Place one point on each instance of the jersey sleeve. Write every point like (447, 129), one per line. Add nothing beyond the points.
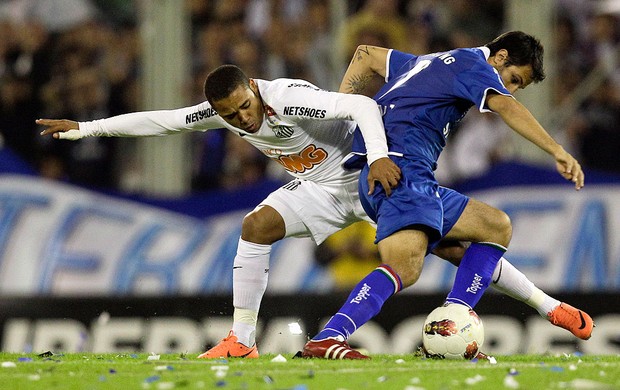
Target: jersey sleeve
(302, 101)
(476, 83)
(200, 117)
(395, 60)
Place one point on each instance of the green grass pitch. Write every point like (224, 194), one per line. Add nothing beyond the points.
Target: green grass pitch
(407, 372)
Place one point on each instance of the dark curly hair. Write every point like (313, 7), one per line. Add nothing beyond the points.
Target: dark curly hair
(523, 49)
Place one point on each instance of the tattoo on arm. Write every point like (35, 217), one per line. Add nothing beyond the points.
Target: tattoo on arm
(358, 80)
(358, 83)
(359, 53)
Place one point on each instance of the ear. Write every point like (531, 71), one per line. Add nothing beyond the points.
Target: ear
(500, 57)
(253, 86)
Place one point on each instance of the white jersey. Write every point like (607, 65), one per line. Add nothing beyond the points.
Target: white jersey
(307, 130)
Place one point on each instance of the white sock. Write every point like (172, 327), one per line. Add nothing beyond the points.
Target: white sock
(250, 274)
(244, 326)
(512, 282)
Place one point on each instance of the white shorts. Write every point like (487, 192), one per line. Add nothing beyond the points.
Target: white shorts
(314, 210)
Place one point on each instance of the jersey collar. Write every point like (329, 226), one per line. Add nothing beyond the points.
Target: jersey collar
(485, 51)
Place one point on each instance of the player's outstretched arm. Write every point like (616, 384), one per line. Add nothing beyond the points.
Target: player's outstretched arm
(523, 122)
(60, 128)
(200, 117)
(368, 63)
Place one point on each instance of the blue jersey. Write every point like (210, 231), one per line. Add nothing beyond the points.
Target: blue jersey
(424, 99)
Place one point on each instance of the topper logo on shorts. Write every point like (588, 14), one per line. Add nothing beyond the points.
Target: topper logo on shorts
(308, 158)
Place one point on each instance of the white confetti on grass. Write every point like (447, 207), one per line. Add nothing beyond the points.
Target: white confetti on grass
(581, 383)
(510, 382)
(474, 380)
(279, 359)
(220, 371)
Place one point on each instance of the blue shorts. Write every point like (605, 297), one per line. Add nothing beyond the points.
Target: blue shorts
(418, 200)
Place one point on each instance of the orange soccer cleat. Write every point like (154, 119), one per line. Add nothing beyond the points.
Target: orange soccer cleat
(574, 320)
(230, 347)
(331, 348)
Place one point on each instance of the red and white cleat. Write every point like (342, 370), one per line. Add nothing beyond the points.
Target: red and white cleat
(331, 348)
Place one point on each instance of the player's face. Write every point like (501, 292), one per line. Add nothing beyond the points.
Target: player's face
(515, 77)
(243, 108)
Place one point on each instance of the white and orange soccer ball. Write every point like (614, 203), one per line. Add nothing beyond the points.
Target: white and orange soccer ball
(452, 332)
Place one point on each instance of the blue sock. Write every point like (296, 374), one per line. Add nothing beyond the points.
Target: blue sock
(475, 273)
(364, 302)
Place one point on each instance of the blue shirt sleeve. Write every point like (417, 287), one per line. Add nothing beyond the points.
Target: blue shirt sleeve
(396, 61)
(475, 83)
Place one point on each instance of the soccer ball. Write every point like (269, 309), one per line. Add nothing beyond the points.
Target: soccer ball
(452, 332)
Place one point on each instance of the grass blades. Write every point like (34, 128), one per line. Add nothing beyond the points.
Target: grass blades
(407, 372)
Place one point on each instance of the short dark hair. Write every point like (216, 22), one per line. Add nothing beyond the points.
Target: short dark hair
(222, 81)
(523, 49)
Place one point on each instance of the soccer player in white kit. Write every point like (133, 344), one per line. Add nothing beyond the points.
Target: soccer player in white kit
(308, 131)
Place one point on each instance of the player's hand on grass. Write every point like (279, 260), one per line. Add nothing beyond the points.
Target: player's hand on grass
(384, 171)
(60, 128)
(569, 168)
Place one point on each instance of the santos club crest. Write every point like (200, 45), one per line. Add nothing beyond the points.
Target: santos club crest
(283, 131)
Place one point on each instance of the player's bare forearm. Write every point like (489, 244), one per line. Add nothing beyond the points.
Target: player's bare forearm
(523, 122)
(367, 64)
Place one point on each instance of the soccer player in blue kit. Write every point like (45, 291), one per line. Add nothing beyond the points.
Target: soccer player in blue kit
(423, 99)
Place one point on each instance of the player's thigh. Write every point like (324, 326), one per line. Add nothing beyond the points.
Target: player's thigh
(311, 210)
(480, 222)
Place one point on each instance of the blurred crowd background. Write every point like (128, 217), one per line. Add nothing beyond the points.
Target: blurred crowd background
(81, 60)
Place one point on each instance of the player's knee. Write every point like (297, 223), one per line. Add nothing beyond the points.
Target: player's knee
(408, 270)
(404, 252)
(262, 227)
(498, 228)
(411, 274)
(504, 228)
